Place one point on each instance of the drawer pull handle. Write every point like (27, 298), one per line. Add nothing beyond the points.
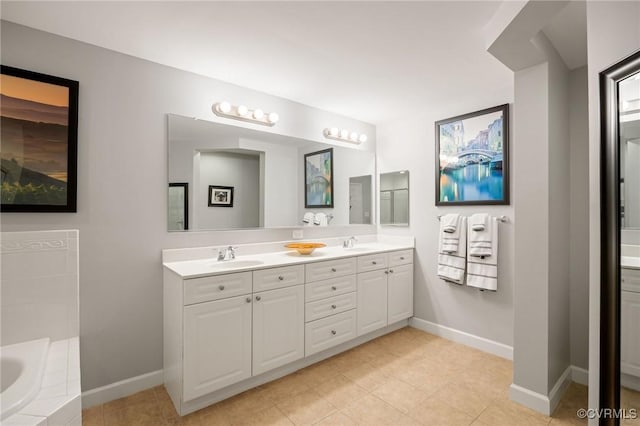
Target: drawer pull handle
(391, 270)
(221, 287)
(374, 262)
(258, 297)
(401, 257)
(280, 277)
(386, 272)
(333, 287)
(333, 332)
(333, 306)
(333, 269)
(248, 300)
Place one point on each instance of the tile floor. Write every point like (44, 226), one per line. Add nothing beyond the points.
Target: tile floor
(404, 378)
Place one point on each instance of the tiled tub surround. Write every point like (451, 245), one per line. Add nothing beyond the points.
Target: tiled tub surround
(58, 402)
(229, 327)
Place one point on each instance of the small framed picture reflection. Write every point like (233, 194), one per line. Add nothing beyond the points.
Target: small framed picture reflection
(220, 196)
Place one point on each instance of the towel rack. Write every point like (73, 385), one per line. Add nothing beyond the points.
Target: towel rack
(503, 219)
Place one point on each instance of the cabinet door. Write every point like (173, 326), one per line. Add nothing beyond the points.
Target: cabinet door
(278, 328)
(372, 301)
(217, 345)
(630, 338)
(400, 293)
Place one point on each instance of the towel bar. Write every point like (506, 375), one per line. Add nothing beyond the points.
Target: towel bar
(502, 219)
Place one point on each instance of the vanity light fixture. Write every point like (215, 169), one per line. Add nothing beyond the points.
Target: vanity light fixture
(344, 135)
(242, 112)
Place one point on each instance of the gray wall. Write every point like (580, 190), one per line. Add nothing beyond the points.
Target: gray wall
(122, 188)
(613, 32)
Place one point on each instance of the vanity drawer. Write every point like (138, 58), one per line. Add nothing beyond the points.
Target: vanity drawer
(631, 280)
(402, 257)
(327, 288)
(198, 290)
(328, 332)
(332, 268)
(269, 279)
(372, 262)
(332, 305)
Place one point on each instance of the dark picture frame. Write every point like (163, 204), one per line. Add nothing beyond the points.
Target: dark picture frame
(39, 173)
(610, 234)
(472, 168)
(220, 196)
(185, 207)
(318, 179)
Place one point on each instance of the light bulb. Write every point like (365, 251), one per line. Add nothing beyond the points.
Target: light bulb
(224, 107)
(334, 132)
(273, 117)
(258, 114)
(344, 133)
(353, 136)
(363, 138)
(243, 110)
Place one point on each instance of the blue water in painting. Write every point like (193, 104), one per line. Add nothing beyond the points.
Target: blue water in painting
(470, 183)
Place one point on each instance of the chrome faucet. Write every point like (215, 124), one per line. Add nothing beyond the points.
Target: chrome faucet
(349, 242)
(227, 253)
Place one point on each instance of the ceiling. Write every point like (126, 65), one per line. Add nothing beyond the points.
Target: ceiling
(373, 61)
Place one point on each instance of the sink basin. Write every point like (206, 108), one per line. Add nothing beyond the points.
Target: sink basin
(236, 264)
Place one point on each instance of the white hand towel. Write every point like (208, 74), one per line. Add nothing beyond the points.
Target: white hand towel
(451, 265)
(478, 221)
(308, 219)
(449, 223)
(481, 242)
(482, 272)
(321, 219)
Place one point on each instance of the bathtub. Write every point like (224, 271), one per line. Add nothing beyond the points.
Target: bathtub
(22, 367)
(41, 383)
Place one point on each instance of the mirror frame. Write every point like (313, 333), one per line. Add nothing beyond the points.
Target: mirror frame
(610, 233)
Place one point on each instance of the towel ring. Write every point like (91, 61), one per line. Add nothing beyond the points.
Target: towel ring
(503, 219)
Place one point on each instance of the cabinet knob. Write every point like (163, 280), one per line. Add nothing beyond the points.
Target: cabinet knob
(374, 262)
(258, 297)
(280, 277)
(221, 287)
(386, 272)
(391, 270)
(333, 269)
(248, 300)
(401, 257)
(333, 332)
(333, 306)
(333, 287)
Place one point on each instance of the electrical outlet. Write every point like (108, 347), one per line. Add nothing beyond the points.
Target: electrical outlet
(298, 234)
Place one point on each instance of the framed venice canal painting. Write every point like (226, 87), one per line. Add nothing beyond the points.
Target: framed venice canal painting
(472, 158)
(318, 179)
(39, 142)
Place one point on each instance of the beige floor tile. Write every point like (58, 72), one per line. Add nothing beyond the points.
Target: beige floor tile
(366, 376)
(371, 410)
(286, 387)
(564, 415)
(426, 380)
(508, 413)
(340, 391)
(93, 416)
(435, 412)
(464, 398)
(400, 395)
(215, 414)
(249, 402)
(270, 417)
(306, 408)
(316, 374)
(135, 415)
(337, 419)
(630, 398)
(146, 397)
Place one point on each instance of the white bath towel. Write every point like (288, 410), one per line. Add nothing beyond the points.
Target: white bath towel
(450, 241)
(482, 272)
(449, 223)
(320, 219)
(481, 242)
(308, 219)
(478, 221)
(451, 264)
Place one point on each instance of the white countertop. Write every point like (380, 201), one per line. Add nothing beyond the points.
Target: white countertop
(630, 262)
(205, 267)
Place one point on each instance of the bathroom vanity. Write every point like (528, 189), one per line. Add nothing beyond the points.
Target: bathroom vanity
(630, 318)
(230, 326)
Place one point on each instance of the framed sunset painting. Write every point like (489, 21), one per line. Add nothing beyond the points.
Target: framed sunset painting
(38, 142)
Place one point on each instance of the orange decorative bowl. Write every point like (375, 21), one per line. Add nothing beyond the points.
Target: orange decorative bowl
(305, 248)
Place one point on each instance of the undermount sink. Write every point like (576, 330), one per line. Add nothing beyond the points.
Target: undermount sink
(235, 264)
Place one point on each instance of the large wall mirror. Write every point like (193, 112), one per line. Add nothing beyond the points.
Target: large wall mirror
(620, 211)
(228, 177)
(394, 198)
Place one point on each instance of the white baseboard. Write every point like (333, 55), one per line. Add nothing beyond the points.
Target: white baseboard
(547, 404)
(534, 400)
(580, 375)
(560, 387)
(121, 389)
(486, 345)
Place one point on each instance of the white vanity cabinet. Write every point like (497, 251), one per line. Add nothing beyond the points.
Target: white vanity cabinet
(630, 319)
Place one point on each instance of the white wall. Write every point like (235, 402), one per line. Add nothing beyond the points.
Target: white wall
(409, 144)
(613, 32)
(122, 187)
(242, 172)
